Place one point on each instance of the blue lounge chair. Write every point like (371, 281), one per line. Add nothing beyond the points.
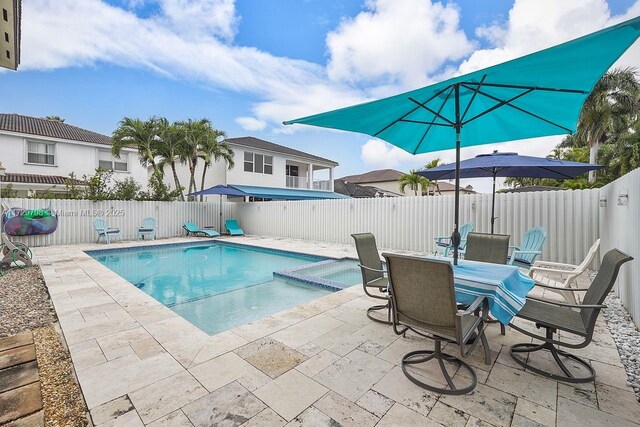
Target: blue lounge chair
(191, 228)
(443, 244)
(525, 254)
(148, 228)
(233, 228)
(105, 231)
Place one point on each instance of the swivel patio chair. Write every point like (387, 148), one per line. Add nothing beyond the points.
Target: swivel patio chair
(561, 276)
(104, 231)
(443, 244)
(423, 301)
(492, 248)
(575, 319)
(148, 228)
(373, 274)
(525, 254)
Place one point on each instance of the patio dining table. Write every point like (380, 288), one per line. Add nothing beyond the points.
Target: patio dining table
(504, 286)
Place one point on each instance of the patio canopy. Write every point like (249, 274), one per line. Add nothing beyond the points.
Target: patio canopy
(540, 94)
(287, 193)
(499, 164)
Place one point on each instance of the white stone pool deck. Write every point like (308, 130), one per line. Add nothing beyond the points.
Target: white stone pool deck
(320, 363)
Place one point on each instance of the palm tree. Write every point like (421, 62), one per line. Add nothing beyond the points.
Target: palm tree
(413, 180)
(613, 99)
(55, 119)
(142, 135)
(170, 151)
(433, 164)
(211, 151)
(194, 134)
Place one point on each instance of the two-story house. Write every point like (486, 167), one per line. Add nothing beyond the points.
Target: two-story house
(39, 154)
(268, 171)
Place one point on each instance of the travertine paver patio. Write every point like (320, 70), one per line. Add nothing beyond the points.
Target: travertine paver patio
(320, 363)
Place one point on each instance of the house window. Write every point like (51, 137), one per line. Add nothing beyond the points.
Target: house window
(107, 161)
(258, 163)
(292, 170)
(41, 153)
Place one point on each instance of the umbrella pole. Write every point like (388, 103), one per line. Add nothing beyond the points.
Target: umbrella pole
(493, 202)
(455, 237)
(220, 221)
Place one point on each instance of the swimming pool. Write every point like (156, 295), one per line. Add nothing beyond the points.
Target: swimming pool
(217, 286)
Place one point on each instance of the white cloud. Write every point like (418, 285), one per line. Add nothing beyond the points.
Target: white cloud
(389, 46)
(88, 32)
(398, 42)
(251, 123)
(197, 17)
(537, 24)
(377, 153)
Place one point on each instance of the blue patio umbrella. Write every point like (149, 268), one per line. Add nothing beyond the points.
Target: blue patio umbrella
(540, 94)
(513, 165)
(221, 190)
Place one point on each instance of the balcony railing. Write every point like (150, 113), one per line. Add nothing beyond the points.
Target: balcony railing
(296, 181)
(324, 185)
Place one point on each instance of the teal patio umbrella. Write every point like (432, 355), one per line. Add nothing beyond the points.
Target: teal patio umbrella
(540, 94)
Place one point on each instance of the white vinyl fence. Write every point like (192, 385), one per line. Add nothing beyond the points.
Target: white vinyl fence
(411, 223)
(573, 220)
(620, 228)
(75, 217)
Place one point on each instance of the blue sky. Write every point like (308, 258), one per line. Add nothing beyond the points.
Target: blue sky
(249, 64)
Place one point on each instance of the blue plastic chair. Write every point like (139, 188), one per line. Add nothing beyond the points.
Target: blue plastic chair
(443, 244)
(233, 228)
(525, 254)
(105, 231)
(148, 228)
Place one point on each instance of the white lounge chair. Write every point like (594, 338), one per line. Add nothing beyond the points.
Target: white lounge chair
(562, 276)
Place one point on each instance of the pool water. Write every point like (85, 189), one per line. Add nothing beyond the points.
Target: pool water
(216, 286)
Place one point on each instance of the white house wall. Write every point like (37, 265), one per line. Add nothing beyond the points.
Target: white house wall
(81, 159)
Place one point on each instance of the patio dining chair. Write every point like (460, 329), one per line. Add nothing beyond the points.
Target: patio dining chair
(148, 228)
(104, 231)
(373, 274)
(561, 276)
(483, 247)
(525, 255)
(423, 301)
(491, 248)
(575, 319)
(443, 244)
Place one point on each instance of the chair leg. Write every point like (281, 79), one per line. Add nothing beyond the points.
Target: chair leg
(503, 330)
(569, 376)
(386, 306)
(423, 356)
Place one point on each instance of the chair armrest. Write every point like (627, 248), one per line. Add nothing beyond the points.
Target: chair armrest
(555, 288)
(562, 304)
(535, 268)
(514, 247)
(472, 307)
(372, 269)
(441, 239)
(554, 265)
(526, 252)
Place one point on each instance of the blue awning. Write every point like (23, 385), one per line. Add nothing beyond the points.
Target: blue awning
(287, 193)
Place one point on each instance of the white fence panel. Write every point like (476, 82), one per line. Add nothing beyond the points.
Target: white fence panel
(619, 229)
(75, 217)
(411, 223)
